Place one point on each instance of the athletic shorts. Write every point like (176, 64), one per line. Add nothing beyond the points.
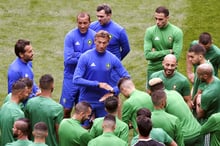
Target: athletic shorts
(70, 94)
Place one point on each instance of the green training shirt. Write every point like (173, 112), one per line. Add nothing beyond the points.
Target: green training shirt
(178, 107)
(106, 139)
(38, 144)
(121, 129)
(20, 143)
(210, 98)
(71, 133)
(212, 126)
(162, 40)
(212, 55)
(157, 134)
(170, 123)
(176, 82)
(45, 109)
(138, 99)
(9, 113)
(198, 84)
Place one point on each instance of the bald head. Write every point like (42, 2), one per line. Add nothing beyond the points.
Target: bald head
(205, 68)
(169, 64)
(170, 57)
(204, 72)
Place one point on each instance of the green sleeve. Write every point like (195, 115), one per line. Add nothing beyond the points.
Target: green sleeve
(209, 126)
(186, 88)
(167, 138)
(178, 43)
(93, 130)
(91, 143)
(26, 113)
(17, 115)
(126, 112)
(217, 56)
(124, 133)
(148, 53)
(178, 134)
(59, 115)
(85, 138)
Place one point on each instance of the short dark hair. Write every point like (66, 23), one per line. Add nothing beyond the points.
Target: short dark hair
(197, 49)
(18, 85)
(205, 38)
(144, 125)
(46, 81)
(110, 117)
(25, 126)
(82, 107)
(40, 128)
(82, 15)
(157, 97)
(144, 112)
(163, 10)
(27, 81)
(111, 104)
(20, 46)
(109, 122)
(104, 7)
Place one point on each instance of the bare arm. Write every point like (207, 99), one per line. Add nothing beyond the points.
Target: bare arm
(199, 111)
(188, 101)
(173, 143)
(189, 71)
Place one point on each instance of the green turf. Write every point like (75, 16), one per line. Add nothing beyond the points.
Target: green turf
(45, 24)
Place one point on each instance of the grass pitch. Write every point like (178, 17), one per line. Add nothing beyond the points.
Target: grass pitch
(45, 24)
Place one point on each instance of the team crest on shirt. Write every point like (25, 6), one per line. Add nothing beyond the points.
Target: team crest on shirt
(89, 42)
(170, 39)
(77, 43)
(110, 36)
(156, 38)
(108, 66)
(174, 87)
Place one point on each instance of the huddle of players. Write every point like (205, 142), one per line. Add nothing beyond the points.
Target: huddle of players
(92, 74)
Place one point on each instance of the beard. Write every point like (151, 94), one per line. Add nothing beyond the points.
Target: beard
(169, 72)
(15, 135)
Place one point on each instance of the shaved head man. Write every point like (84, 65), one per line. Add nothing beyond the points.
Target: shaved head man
(205, 72)
(208, 102)
(169, 64)
(172, 79)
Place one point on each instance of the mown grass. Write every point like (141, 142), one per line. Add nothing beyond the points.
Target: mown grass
(45, 23)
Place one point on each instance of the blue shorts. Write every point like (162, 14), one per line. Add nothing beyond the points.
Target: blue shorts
(98, 109)
(70, 94)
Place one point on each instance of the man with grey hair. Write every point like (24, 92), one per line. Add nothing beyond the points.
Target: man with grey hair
(208, 102)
